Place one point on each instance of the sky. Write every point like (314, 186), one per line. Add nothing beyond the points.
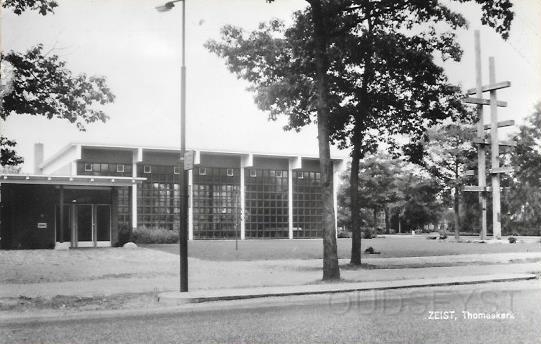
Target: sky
(138, 50)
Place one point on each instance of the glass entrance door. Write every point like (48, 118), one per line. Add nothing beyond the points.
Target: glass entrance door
(92, 225)
(102, 220)
(84, 225)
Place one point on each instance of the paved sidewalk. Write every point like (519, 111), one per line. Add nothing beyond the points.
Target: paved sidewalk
(178, 298)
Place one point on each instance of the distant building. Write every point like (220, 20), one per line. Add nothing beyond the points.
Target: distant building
(104, 188)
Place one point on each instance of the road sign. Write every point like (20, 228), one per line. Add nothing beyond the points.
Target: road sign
(189, 160)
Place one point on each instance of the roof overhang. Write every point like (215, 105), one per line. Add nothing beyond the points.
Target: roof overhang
(68, 180)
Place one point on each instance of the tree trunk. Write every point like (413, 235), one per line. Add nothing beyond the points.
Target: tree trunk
(356, 155)
(331, 269)
(456, 213)
(375, 218)
(456, 203)
(354, 206)
(387, 220)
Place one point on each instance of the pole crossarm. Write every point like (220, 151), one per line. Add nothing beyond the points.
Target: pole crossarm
(475, 188)
(488, 88)
(502, 124)
(481, 101)
(504, 169)
(481, 141)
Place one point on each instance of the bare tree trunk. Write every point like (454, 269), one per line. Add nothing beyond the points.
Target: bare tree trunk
(456, 213)
(375, 218)
(456, 203)
(356, 156)
(331, 269)
(354, 206)
(387, 219)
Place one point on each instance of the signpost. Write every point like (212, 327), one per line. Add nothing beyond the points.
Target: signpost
(494, 143)
(189, 157)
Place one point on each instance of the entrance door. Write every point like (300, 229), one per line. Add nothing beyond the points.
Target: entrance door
(92, 225)
(84, 225)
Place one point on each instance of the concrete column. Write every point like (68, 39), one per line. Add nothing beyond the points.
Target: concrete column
(290, 198)
(336, 176)
(294, 163)
(242, 204)
(137, 157)
(190, 205)
(245, 161)
(38, 157)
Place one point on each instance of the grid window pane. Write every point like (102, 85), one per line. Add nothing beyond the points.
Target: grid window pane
(266, 204)
(216, 203)
(307, 205)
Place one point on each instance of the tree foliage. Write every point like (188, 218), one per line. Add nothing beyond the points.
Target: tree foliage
(19, 6)
(421, 205)
(8, 157)
(449, 154)
(525, 193)
(42, 85)
(375, 60)
(396, 188)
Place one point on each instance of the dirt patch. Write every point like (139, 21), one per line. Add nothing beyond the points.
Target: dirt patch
(77, 303)
(433, 265)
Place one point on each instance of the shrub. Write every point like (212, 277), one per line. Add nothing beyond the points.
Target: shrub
(124, 233)
(368, 233)
(154, 235)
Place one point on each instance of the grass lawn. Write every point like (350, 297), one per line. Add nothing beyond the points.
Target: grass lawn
(222, 250)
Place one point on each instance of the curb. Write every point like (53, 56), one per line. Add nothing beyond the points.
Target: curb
(183, 302)
(177, 298)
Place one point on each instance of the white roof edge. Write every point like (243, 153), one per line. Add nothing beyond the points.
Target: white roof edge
(66, 148)
(52, 176)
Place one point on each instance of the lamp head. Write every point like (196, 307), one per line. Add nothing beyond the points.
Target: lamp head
(165, 7)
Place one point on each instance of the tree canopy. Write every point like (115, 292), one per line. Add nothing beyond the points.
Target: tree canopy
(368, 66)
(525, 192)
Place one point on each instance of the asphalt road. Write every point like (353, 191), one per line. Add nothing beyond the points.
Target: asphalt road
(394, 316)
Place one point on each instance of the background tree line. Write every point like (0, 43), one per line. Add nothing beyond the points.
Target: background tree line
(409, 196)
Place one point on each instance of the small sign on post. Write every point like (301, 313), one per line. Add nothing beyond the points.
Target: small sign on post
(189, 157)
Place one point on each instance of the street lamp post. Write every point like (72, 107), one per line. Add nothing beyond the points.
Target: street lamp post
(183, 230)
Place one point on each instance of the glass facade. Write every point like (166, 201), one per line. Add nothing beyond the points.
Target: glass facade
(124, 206)
(307, 206)
(266, 203)
(216, 197)
(158, 197)
(216, 203)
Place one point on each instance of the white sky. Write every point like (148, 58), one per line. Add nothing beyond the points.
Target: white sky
(138, 50)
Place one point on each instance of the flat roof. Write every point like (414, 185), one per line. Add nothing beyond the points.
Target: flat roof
(176, 149)
(68, 180)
